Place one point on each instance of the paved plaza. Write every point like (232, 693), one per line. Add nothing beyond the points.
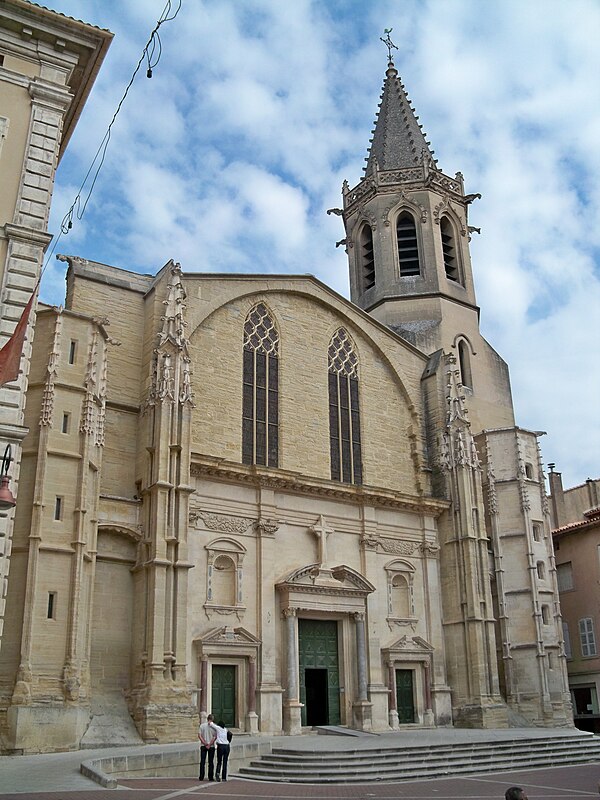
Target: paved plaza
(56, 776)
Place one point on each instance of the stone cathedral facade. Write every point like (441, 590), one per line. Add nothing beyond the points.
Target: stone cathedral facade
(246, 494)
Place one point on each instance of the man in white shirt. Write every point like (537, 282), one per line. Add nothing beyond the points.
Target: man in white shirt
(207, 736)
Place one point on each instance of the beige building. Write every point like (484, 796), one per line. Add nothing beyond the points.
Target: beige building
(248, 495)
(48, 64)
(575, 517)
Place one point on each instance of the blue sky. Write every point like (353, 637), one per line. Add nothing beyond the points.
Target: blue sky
(227, 159)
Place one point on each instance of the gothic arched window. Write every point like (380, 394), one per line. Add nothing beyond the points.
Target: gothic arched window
(408, 246)
(449, 250)
(260, 403)
(367, 258)
(344, 414)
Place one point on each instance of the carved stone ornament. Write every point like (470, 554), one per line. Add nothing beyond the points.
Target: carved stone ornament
(457, 447)
(405, 199)
(370, 542)
(267, 527)
(444, 207)
(429, 548)
(397, 547)
(47, 411)
(221, 522)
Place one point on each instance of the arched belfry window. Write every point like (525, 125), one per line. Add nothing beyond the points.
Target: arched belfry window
(464, 362)
(408, 246)
(260, 404)
(449, 250)
(344, 413)
(367, 258)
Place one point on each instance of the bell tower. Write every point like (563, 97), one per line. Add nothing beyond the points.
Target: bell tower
(407, 240)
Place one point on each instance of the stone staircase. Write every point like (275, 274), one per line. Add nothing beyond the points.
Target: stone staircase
(397, 763)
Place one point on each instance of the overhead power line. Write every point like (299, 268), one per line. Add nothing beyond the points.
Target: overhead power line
(151, 54)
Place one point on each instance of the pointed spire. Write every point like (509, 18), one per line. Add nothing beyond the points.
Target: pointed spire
(398, 140)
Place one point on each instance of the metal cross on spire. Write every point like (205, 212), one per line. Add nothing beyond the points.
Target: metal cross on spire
(388, 42)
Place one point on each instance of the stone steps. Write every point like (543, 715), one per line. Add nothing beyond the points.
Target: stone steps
(429, 761)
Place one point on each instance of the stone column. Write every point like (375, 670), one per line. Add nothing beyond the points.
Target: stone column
(428, 718)
(252, 716)
(362, 708)
(393, 701)
(292, 707)
(203, 688)
(361, 657)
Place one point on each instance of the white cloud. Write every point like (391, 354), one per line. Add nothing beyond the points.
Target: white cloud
(228, 158)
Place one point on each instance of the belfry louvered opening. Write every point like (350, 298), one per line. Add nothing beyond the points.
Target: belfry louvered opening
(449, 250)
(408, 246)
(344, 412)
(260, 402)
(367, 258)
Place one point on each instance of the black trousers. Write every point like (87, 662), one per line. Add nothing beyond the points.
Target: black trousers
(222, 759)
(211, 762)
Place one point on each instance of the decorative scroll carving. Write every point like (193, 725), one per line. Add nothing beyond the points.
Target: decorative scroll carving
(397, 547)
(221, 522)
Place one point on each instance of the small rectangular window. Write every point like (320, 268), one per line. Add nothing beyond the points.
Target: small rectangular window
(58, 508)
(65, 423)
(51, 612)
(587, 637)
(72, 351)
(537, 531)
(546, 615)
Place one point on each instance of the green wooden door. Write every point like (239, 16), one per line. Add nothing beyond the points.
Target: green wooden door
(223, 694)
(405, 695)
(319, 671)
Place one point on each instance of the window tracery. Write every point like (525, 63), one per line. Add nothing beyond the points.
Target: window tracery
(344, 411)
(260, 400)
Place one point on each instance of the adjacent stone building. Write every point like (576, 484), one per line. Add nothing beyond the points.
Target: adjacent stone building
(575, 515)
(249, 495)
(48, 64)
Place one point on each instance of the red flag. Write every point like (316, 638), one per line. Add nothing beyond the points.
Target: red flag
(10, 355)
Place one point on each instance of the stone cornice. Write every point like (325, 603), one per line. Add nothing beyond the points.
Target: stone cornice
(219, 469)
(48, 93)
(26, 234)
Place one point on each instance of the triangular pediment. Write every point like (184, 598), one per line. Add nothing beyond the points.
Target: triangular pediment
(410, 644)
(226, 635)
(335, 579)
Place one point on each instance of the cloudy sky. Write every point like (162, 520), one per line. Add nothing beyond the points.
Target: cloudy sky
(227, 159)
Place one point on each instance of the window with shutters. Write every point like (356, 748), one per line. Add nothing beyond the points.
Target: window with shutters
(586, 637)
(260, 396)
(449, 250)
(367, 258)
(564, 576)
(408, 246)
(344, 412)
